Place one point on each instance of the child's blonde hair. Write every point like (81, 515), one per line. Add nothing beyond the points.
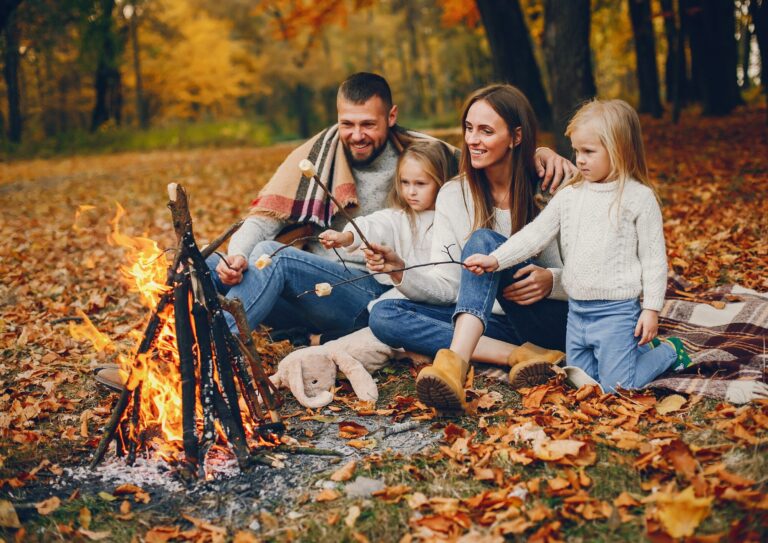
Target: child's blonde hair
(434, 158)
(618, 128)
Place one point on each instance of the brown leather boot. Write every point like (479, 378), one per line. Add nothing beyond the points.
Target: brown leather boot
(532, 365)
(441, 385)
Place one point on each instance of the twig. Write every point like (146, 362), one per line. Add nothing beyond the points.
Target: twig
(306, 450)
(209, 249)
(384, 273)
(340, 207)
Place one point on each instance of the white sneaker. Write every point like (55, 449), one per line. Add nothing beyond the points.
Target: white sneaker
(579, 378)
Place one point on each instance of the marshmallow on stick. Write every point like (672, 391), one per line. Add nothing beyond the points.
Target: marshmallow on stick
(263, 261)
(308, 170)
(323, 289)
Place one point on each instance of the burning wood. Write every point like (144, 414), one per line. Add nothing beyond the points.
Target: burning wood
(188, 322)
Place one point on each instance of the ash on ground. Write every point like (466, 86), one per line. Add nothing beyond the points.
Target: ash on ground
(231, 496)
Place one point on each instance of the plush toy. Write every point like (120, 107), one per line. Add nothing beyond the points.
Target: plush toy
(310, 373)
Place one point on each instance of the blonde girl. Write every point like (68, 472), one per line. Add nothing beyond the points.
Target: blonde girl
(612, 238)
(406, 225)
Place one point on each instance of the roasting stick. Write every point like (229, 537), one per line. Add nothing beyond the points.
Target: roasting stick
(308, 170)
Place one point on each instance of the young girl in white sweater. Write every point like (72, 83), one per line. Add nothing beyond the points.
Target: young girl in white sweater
(612, 242)
(406, 225)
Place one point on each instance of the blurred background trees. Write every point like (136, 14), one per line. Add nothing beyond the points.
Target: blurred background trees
(105, 66)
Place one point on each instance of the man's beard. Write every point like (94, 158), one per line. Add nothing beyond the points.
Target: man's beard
(356, 163)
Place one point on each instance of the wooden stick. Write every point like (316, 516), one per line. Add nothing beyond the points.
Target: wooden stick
(184, 342)
(209, 249)
(207, 384)
(133, 432)
(340, 207)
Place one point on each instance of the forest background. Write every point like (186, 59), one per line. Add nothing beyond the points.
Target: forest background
(140, 74)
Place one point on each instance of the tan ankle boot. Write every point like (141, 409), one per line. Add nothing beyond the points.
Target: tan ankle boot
(532, 365)
(441, 385)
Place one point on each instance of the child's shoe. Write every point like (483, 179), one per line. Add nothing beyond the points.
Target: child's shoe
(531, 365)
(683, 360)
(441, 385)
(579, 378)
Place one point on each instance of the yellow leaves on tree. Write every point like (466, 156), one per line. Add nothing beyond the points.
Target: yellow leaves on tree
(191, 66)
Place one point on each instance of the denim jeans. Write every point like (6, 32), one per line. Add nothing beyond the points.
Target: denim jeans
(426, 328)
(601, 341)
(269, 296)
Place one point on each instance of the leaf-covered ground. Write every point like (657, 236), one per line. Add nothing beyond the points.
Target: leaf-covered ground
(552, 464)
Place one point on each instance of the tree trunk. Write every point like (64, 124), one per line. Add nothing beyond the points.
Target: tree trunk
(107, 83)
(759, 11)
(141, 105)
(713, 43)
(7, 7)
(645, 53)
(566, 36)
(11, 60)
(301, 103)
(512, 51)
(675, 78)
(419, 99)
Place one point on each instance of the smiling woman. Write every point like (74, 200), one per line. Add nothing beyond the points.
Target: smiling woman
(492, 198)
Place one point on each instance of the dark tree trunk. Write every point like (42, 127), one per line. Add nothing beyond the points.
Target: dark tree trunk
(7, 7)
(675, 79)
(301, 103)
(645, 53)
(745, 41)
(759, 11)
(411, 27)
(107, 84)
(566, 35)
(141, 103)
(512, 51)
(686, 9)
(714, 47)
(11, 60)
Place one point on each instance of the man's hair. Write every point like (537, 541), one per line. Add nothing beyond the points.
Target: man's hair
(360, 87)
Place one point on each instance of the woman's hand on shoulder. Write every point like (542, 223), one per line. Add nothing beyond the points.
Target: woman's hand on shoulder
(531, 289)
(553, 169)
(480, 264)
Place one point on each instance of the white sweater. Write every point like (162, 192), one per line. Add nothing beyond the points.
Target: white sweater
(391, 227)
(454, 213)
(603, 260)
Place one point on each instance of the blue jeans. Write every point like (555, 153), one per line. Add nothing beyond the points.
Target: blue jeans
(601, 341)
(269, 296)
(426, 328)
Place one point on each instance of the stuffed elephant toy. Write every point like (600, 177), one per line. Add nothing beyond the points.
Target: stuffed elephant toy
(310, 373)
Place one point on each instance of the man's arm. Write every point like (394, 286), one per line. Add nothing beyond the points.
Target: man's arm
(254, 230)
(553, 169)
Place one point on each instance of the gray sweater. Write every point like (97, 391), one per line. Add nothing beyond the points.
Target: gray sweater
(373, 184)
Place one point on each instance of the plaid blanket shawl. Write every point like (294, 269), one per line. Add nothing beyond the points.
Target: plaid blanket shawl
(291, 197)
(725, 331)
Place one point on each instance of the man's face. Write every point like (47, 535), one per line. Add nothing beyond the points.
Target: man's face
(363, 128)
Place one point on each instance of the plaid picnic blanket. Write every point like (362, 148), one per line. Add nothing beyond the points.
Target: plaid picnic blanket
(725, 331)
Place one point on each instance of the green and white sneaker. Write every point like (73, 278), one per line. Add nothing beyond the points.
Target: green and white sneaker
(682, 361)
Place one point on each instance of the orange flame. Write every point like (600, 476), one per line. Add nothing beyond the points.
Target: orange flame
(86, 330)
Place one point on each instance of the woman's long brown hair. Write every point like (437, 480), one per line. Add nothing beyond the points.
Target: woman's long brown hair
(514, 108)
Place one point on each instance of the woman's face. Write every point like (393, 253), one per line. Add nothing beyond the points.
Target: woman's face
(487, 136)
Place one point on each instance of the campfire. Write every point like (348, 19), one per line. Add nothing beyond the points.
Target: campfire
(191, 383)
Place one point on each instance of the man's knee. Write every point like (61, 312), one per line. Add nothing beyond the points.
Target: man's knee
(263, 248)
(482, 241)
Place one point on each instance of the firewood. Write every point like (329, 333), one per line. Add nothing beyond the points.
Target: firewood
(207, 384)
(184, 342)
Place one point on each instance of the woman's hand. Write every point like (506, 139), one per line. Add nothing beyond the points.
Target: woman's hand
(535, 287)
(231, 268)
(553, 169)
(480, 264)
(331, 239)
(647, 326)
(381, 258)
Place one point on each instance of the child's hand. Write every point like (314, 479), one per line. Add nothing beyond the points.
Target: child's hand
(647, 326)
(331, 239)
(479, 264)
(381, 258)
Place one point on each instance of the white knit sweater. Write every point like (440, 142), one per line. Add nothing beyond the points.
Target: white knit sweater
(391, 227)
(454, 213)
(605, 258)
